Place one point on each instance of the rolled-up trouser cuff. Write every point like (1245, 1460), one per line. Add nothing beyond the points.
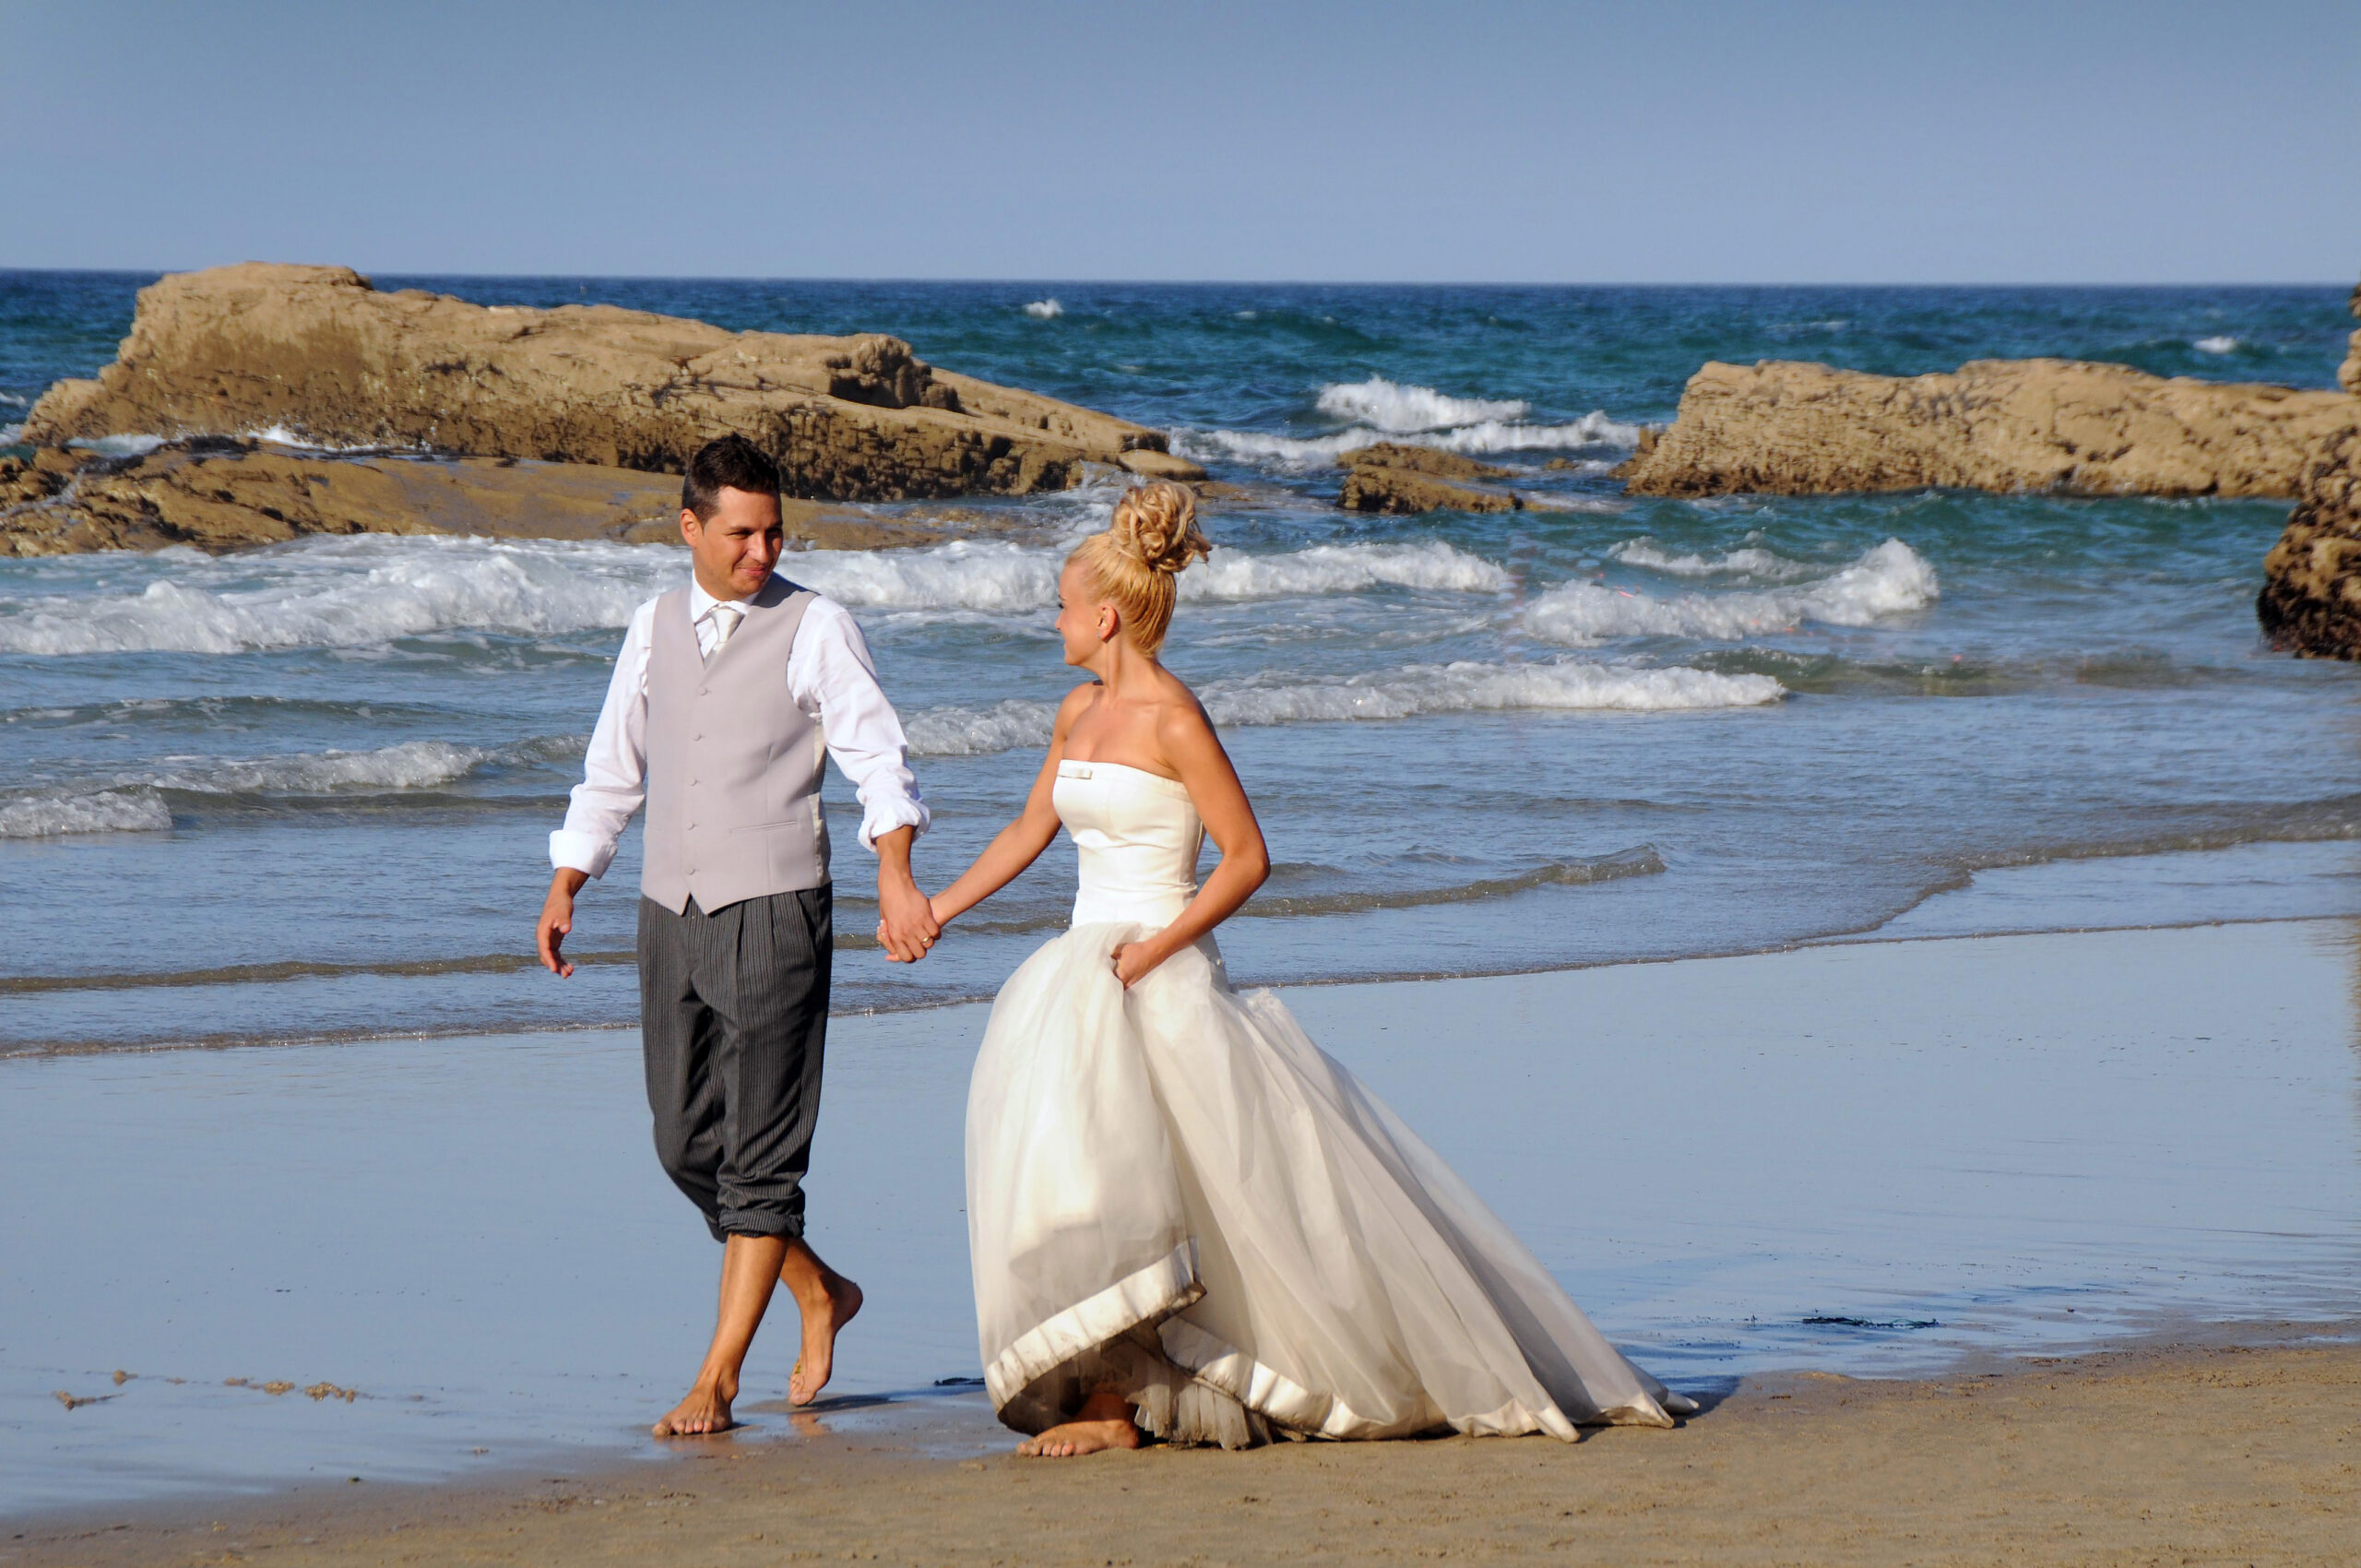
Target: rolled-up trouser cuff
(723, 1227)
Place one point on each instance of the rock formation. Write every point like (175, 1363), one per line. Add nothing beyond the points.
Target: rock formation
(1392, 477)
(1996, 424)
(223, 494)
(2311, 602)
(319, 351)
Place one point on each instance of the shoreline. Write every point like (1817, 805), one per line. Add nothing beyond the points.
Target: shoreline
(1968, 886)
(2206, 1450)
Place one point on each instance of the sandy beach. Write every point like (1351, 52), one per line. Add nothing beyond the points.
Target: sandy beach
(2158, 1456)
(2036, 1247)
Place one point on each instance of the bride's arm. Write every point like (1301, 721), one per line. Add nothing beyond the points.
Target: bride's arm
(1195, 751)
(1021, 842)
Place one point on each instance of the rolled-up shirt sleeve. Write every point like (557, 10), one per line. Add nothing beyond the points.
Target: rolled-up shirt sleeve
(614, 768)
(831, 676)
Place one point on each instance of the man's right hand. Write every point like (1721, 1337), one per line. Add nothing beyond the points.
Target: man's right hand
(557, 919)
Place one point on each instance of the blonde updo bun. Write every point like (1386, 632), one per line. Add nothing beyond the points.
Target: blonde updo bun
(1153, 538)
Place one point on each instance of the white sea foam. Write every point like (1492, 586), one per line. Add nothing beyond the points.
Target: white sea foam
(1466, 686)
(43, 816)
(1561, 684)
(1045, 310)
(362, 592)
(2220, 345)
(1302, 453)
(1889, 580)
(1401, 410)
(11, 433)
(119, 445)
(410, 765)
(344, 593)
(1750, 561)
(1343, 568)
(12, 401)
(979, 731)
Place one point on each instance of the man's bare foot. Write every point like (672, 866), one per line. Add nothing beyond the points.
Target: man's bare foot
(702, 1413)
(833, 1305)
(1082, 1437)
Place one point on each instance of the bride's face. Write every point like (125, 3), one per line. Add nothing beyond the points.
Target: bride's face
(1085, 620)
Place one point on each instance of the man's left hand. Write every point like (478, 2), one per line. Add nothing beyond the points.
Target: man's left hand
(906, 926)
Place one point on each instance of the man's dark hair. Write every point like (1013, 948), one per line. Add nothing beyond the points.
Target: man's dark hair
(732, 463)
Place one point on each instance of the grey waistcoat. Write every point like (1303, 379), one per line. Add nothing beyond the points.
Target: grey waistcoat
(733, 765)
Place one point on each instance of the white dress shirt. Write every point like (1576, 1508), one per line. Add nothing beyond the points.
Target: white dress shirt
(828, 675)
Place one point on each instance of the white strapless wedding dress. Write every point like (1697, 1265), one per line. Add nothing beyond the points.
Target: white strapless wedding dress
(1171, 1190)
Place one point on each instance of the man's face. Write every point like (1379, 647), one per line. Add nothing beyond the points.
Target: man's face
(736, 548)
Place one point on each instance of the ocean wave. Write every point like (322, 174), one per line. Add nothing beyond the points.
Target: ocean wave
(119, 445)
(1583, 872)
(356, 593)
(45, 815)
(1402, 411)
(10, 434)
(1045, 310)
(1748, 561)
(979, 731)
(1293, 454)
(1891, 579)
(1344, 568)
(2220, 345)
(346, 593)
(133, 801)
(1566, 684)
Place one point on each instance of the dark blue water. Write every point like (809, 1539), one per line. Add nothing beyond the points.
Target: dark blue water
(305, 791)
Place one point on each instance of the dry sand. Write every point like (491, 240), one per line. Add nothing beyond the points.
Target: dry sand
(2189, 1455)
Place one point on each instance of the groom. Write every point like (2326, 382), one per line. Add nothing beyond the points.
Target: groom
(724, 694)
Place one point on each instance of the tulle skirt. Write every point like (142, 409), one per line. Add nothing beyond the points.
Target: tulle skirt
(1173, 1192)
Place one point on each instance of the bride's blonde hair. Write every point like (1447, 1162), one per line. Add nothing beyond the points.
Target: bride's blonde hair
(1153, 538)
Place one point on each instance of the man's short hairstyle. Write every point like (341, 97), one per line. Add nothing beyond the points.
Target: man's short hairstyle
(732, 463)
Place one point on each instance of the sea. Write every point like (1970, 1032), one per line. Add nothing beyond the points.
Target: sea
(303, 793)
(291, 806)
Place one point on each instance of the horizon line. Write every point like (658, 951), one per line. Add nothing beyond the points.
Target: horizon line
(1196, 282)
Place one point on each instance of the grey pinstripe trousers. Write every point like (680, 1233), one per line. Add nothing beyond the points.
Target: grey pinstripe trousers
(733, 1022)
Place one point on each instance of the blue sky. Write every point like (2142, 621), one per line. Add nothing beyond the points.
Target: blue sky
(1628, 142)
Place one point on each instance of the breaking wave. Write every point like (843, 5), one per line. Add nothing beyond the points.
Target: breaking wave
(1891, 579)
(1045, 310)
(133, 801)
(1565, 684)
(1639, 860)
(1401, 410)
(2220, 345)
(357, 593)
(1302, 453)
(1749, 561)
(106, 811)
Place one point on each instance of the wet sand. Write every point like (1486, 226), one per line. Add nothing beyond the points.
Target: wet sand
(2194, 1455)
(1921, 1159)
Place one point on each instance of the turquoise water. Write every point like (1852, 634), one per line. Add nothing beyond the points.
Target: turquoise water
(303, 793)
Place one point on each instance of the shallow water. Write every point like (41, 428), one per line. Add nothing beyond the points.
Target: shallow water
(1875, 1158)
(303, 793)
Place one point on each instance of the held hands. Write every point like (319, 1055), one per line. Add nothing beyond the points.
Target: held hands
(907, 928)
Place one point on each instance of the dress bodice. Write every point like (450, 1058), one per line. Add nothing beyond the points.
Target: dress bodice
(1138, 834)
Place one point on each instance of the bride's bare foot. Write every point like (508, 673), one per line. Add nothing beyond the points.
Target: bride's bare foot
(827, 1302)
(704, 1413)
(1104, 1422)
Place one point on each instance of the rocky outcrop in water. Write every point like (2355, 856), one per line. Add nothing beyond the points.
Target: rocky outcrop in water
(1392, 478)
(2066, 425)
(220, 494)
(2311, 602)
(320, 352)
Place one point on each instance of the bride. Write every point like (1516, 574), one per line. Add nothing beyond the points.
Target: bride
(1185, 1218)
